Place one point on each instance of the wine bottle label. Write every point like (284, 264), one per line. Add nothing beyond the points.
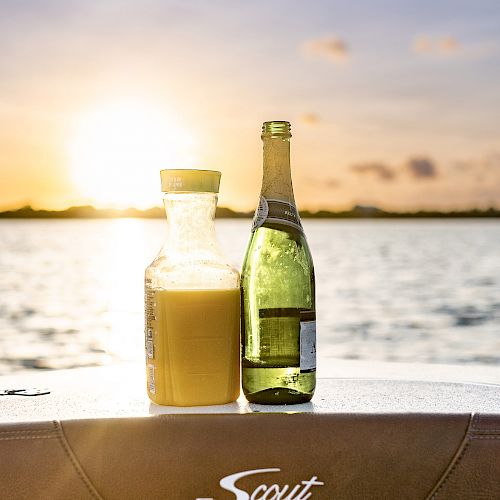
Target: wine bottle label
(307, 341)
(276, 211)
(260, 213)
(287, 338)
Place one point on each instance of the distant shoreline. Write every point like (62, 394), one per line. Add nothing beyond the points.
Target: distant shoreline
(358, 212)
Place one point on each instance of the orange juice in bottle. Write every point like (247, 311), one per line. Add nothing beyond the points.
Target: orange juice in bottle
(192, 301)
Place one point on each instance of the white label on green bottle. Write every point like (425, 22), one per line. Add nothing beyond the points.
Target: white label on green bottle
(276, 212)
(260, 214)
(307, 346)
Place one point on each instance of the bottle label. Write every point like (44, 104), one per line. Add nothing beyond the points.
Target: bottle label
(279, 337)
(149, 301)
(149, 304)
(307, 341)
(151, 378)
(276, 211)
(260, 213)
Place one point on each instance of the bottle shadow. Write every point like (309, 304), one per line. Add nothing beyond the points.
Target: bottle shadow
(289, 409)
(155, 409)
(239, 406)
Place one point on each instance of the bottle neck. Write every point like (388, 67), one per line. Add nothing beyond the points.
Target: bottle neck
(277, 176)
(190, 222)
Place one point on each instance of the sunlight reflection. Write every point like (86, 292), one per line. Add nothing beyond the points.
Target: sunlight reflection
(127, 253)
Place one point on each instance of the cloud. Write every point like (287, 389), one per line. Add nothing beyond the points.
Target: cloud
(423, 45)
(331, 48)
(310, 118)
(421, 168)
(448, 44)
(382, 171)
(418, 167)
(445, 45)
(328, 182)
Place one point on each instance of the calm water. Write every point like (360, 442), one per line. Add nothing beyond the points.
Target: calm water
(71, 291)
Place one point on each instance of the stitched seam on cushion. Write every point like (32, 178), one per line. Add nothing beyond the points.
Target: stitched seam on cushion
(452, 470)
(75, 463)
(12, 438)
(485, 437)
(477, 428)
(455, 461)
(27, 431)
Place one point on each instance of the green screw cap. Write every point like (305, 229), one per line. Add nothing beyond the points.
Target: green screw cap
(189, 181)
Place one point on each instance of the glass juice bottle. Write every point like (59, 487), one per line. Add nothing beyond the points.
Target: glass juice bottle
(278, 291)
(192, 301)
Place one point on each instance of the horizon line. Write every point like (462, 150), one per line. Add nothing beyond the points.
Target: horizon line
(357, 211)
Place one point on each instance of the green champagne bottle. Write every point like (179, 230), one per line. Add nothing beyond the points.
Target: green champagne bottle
(278, 300)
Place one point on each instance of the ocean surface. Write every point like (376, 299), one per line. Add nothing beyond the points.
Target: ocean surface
(71, 291)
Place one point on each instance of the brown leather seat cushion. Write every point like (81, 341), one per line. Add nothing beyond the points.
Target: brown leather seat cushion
(355, 456)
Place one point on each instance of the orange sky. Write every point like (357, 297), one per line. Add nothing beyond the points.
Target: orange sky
(96, 99)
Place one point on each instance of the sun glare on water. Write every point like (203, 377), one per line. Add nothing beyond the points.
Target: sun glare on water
(117, 150)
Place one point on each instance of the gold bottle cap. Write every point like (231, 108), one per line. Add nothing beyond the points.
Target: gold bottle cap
(276, 128)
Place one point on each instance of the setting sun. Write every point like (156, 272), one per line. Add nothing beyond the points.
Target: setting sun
(117, 150)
